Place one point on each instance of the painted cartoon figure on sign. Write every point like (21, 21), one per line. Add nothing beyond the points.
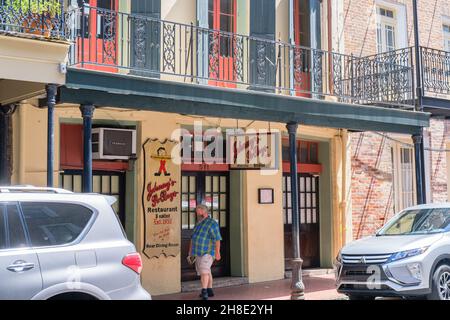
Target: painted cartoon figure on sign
(163, 157)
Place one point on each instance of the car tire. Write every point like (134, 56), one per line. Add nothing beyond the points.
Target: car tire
(440, 284)
(358, 297)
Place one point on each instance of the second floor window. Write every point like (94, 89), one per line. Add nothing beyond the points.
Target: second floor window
(447, 37)
(102, 11)
(386, 30)
(222, 16)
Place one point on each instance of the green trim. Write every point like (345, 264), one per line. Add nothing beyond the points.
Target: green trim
(70, 120)
(236, 225)
(106, 122)
(125, 91)
(325, 203)
(130, 204)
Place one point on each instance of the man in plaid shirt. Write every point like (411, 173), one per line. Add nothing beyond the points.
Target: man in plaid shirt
(205, 247)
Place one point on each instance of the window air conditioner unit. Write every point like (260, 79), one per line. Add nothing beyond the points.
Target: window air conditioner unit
(113, 144)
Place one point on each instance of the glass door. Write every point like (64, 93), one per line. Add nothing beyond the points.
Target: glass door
(210, 189)
(222, 17)
(97, 35)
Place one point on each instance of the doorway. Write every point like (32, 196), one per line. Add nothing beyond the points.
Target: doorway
(308, 188)
(222, 19)
(211, 189)
(96, 42)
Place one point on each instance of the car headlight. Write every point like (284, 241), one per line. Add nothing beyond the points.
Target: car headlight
(407, 254)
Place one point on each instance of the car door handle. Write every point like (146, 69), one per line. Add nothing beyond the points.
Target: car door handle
(20, 266)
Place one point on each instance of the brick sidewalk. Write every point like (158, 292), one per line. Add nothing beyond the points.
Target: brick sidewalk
(317, 288)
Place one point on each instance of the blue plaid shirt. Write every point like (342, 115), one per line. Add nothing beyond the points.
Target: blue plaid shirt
(204, 238)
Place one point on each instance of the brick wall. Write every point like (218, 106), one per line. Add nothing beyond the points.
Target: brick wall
(438, 135)
(359, 19)
(372, 170)
(372, 176)
(372, 182)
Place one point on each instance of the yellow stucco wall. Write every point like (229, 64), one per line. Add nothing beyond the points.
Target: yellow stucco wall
(263, 228)
(263, 224)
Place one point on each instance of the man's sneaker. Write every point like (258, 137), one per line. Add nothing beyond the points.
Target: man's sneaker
(210, 293)
(204, 294)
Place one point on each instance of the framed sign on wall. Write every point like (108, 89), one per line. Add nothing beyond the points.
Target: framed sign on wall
(265, 196)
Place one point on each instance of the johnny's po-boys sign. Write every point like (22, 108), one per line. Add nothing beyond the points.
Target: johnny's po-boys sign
(161, 199)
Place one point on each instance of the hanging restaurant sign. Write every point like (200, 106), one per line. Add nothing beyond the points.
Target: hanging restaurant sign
(161, 199)
(252, 150)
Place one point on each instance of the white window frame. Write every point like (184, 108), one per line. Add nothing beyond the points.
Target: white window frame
(385, 23)
(398, 23)
(446, 35)
(399, 203)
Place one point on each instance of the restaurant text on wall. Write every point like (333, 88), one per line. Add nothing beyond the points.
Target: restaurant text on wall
(161, 199)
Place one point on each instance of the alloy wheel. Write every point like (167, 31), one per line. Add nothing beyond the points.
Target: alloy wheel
(444, 286)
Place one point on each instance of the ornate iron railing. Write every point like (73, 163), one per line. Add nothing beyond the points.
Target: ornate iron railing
(386, 77)
(140, 45)
(34, 17)
(435, 71)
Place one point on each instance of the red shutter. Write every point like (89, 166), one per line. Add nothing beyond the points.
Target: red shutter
(71, 146)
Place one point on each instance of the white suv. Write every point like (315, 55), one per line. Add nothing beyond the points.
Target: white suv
(408, 257)
(55, 244)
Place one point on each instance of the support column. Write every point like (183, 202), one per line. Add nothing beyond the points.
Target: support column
(419, 146)
(418, 157)
(297, 286)
(5, 118)
(51, 101)
(87, 111)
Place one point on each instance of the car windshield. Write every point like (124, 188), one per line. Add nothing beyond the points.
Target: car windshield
(422, 221)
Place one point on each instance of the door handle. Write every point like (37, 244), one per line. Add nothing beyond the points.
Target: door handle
(20, 266)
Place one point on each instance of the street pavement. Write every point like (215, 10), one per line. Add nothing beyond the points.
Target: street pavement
(318, 287)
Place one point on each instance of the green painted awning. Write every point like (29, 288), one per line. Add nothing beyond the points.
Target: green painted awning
(133, 92)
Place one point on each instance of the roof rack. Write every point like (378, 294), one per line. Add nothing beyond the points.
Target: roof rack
(32, 189)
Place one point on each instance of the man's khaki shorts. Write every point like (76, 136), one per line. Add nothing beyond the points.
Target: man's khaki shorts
(203, 264)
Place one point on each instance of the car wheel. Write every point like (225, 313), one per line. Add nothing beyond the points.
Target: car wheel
(440, 289)
(360, 297)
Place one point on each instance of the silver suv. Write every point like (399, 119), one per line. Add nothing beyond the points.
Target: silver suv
(55, 244)
(408, 257)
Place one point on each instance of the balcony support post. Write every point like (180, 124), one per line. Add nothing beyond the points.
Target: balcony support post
(5, 120)
(297, 286)
(87, 111)
(418, 138)
(51, 90)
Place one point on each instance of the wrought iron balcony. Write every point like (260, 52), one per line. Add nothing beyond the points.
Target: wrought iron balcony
(138, 45)
(436, 72)
(33, 17)
(385, 78)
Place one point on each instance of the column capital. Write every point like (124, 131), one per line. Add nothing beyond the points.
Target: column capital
(417, 138)
(51, 89)
(292, 127)
(7, 110)
(87, 110)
